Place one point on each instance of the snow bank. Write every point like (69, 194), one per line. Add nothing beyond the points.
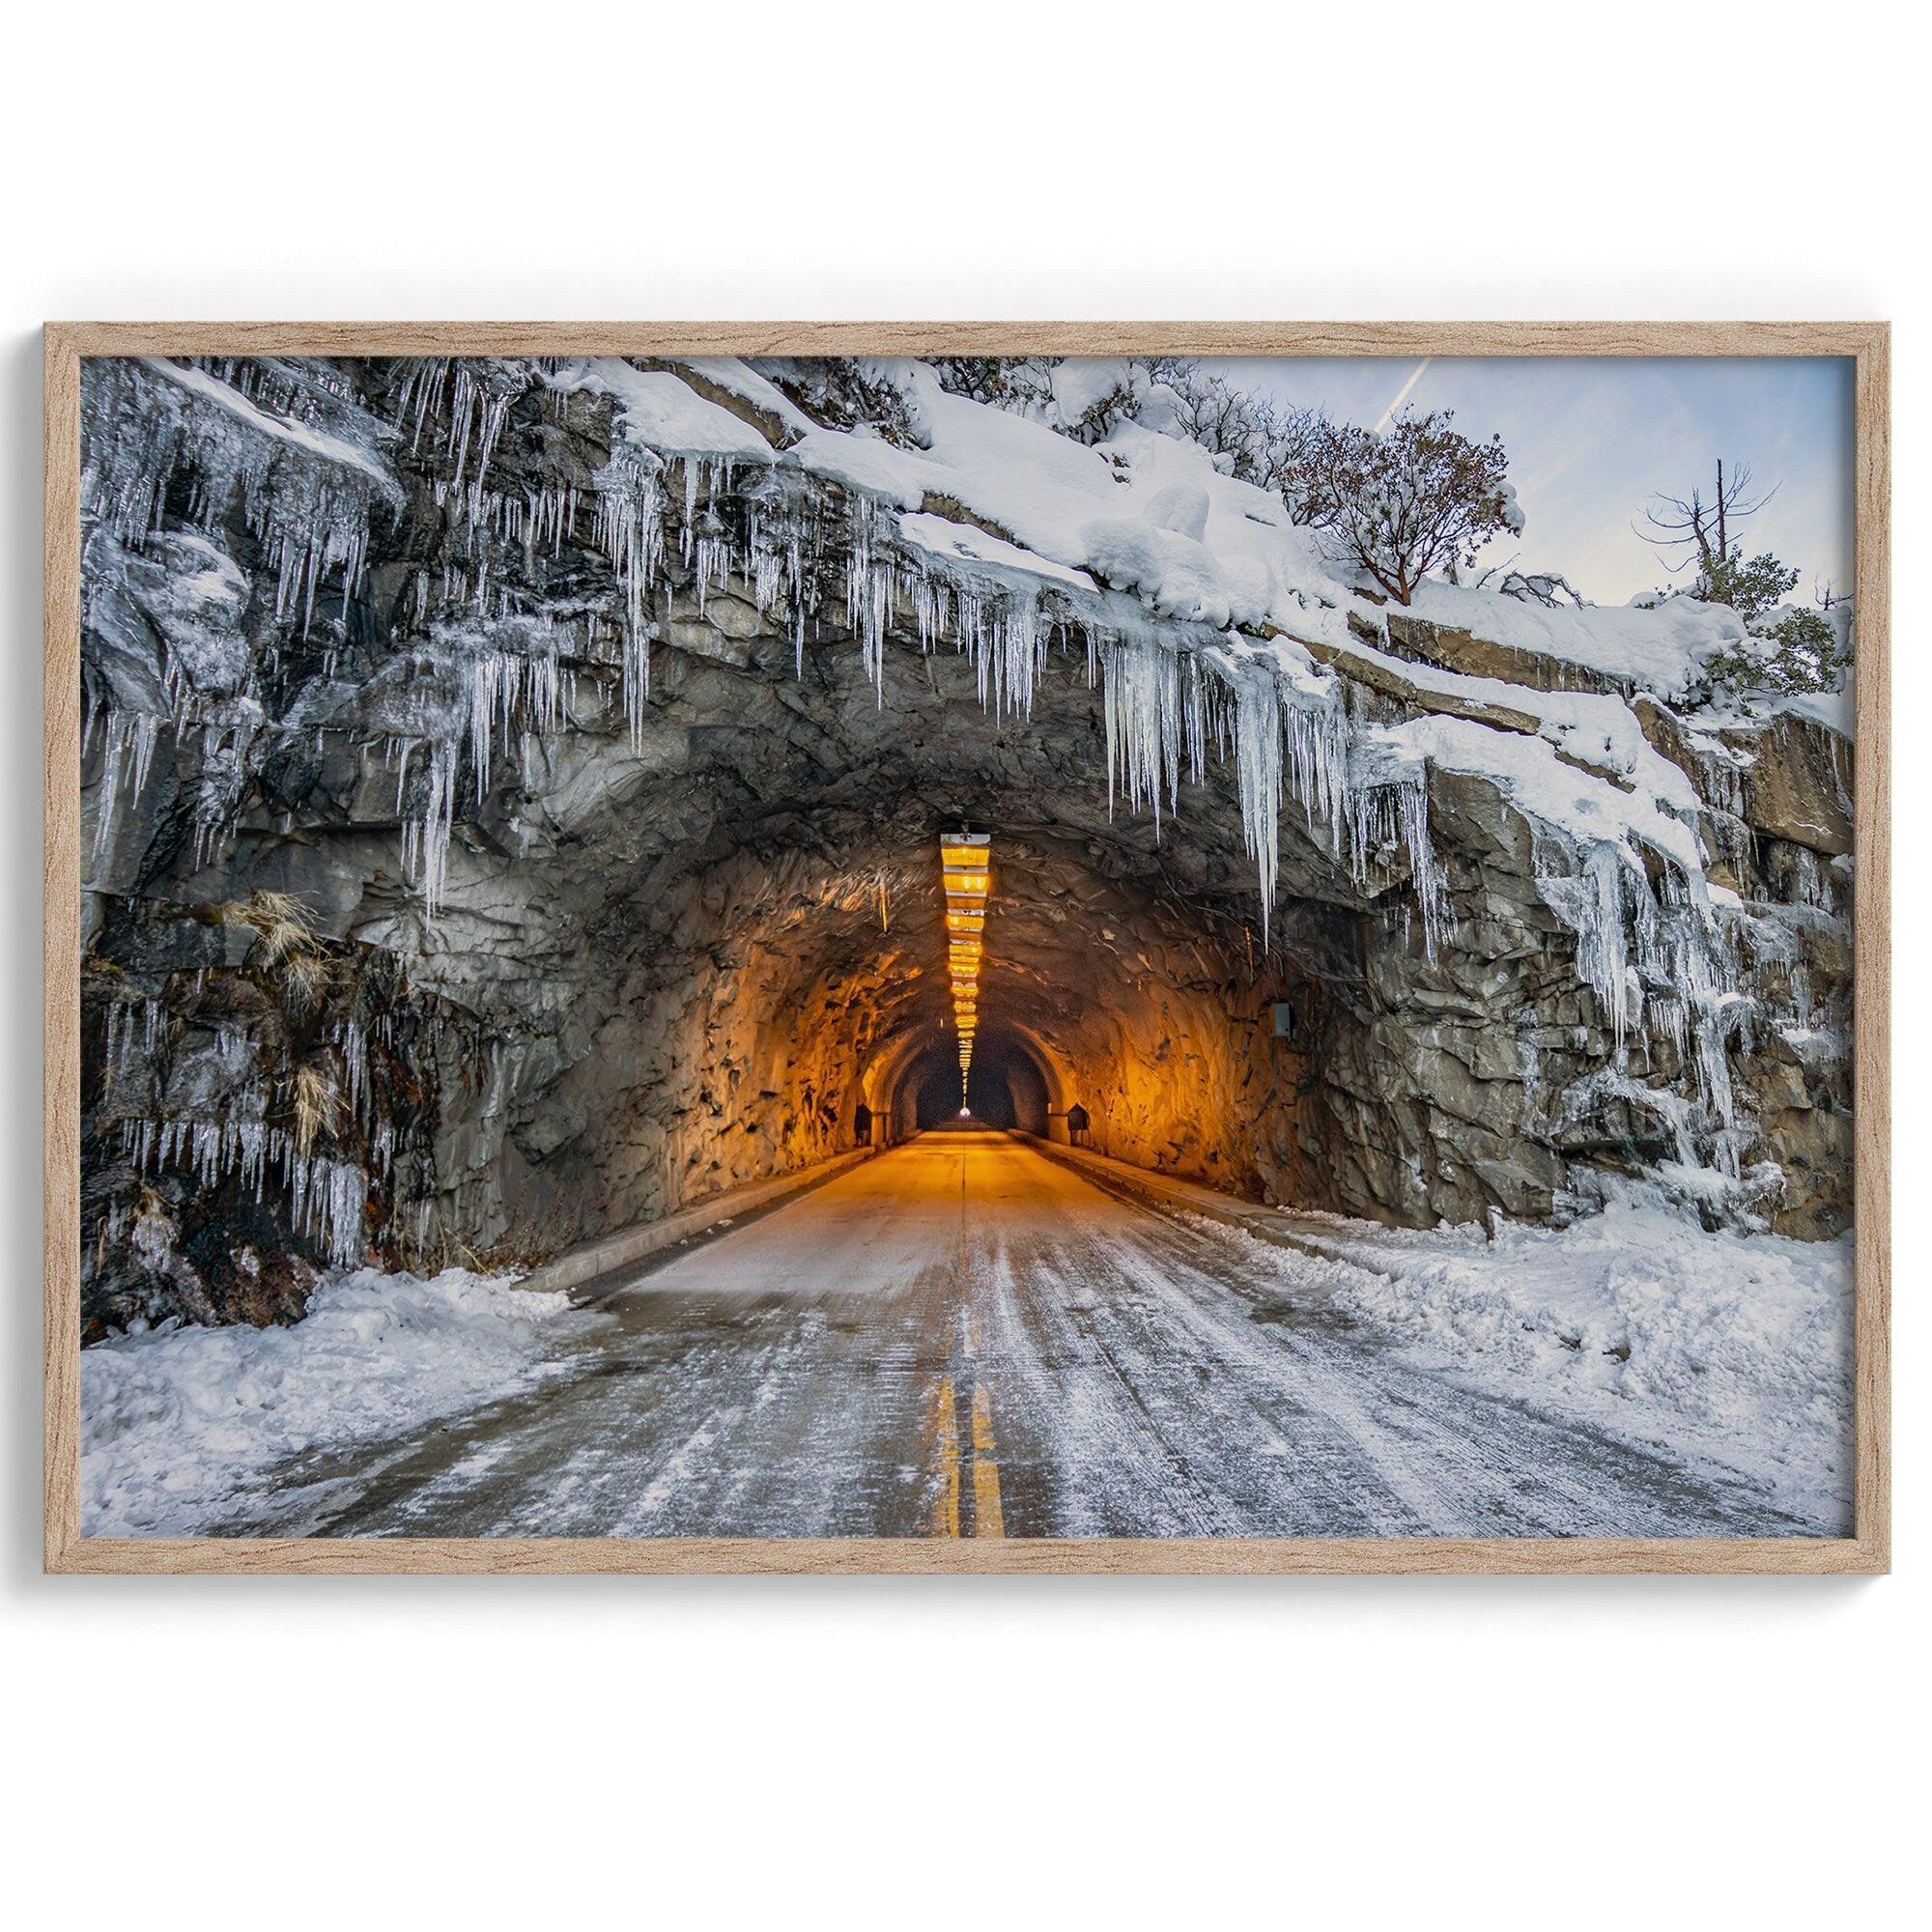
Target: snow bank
(1729, 1351)
(179, 1426)
(1661, 646)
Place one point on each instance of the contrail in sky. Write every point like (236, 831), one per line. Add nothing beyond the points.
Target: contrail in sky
(1402, 394)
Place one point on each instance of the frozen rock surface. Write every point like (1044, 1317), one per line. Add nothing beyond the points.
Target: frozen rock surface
(509, 793)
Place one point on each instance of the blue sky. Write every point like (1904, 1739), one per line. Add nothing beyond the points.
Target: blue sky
(1591, 438)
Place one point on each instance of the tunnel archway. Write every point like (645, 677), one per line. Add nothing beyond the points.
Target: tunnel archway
(1007, 1085)
(788, 970)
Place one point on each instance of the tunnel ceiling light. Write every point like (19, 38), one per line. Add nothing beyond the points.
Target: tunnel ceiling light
(966, 876)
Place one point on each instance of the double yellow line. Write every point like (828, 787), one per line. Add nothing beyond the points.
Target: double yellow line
(983, 1464)
(983, 1461)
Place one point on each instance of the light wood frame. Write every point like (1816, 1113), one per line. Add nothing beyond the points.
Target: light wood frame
(1867, 1551)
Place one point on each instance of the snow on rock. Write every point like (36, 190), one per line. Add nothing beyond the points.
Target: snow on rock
(1555, 794)
(967, 545)
(1832, 709)
(1646, 645)
(741, 379)
(1734, 1351)
(1178, 575)
(297, 435)
(870, 465)
(182, 1427)
(665, 413)
(1182, 507)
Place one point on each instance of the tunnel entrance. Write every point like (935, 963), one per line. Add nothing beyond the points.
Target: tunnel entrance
(601, 879)
(689, 942)
(1007, 1088)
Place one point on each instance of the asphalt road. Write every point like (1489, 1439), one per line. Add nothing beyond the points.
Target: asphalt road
(963, 1338)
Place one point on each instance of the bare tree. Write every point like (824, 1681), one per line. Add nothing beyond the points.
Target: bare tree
(1699, 530)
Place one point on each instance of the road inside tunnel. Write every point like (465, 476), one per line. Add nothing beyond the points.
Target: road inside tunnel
(962, 1337)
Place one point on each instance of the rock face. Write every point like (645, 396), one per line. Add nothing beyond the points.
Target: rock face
(476, 863)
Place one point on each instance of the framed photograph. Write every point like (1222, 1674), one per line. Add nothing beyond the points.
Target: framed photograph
(826, 946)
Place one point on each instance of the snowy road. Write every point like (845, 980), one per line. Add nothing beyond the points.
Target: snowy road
(962, 1337)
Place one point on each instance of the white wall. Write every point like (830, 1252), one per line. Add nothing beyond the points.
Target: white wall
(711, 1752)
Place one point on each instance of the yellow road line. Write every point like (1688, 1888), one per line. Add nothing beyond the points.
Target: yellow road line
(946, 1427)
(987, 1517)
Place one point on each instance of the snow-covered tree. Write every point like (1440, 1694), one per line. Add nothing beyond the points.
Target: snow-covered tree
(1751, 588)
(1421, 496)
(1264, 442)
(1250, 436)
(1022, 383)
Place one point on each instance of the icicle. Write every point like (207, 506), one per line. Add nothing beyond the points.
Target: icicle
(326, 1197)
(1258, 775)
(868, 592)
(630, 532)
(128, 741)
(1142, 706)
(426, 834)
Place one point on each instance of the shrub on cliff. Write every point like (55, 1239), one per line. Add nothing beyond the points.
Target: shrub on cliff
(1800, 651)
(1751, 588)
(1421, 496)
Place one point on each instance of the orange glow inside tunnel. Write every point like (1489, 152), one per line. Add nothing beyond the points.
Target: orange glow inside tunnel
(966, 872)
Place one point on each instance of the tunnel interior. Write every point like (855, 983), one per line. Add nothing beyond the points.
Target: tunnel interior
(735, 966)
(769, 988)
(1006, 1086)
